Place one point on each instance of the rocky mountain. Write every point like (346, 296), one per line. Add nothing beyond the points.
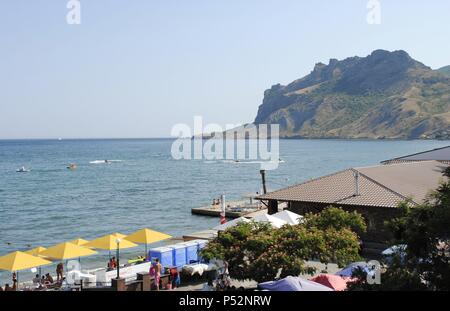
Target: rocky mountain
(445, 70)
(384, 95)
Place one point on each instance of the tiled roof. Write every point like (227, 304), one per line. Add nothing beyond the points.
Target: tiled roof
(439, 154)
(382, 185)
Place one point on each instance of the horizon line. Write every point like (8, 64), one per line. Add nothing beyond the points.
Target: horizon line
(83, 138)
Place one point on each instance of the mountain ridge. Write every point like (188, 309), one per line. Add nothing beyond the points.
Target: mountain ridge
(383, 95)
(445, 70)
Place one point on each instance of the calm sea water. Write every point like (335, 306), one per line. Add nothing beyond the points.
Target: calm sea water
(146, 188)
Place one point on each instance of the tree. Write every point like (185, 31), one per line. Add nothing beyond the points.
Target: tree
(425, 229)
(259, 252)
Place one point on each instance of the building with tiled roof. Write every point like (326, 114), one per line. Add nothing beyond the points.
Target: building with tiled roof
(374, 191)
(439, 154)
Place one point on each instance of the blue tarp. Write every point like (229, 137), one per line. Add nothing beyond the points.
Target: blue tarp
(348, 271)
(293, 284)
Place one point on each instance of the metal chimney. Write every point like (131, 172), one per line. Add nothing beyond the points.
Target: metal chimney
(356, 176)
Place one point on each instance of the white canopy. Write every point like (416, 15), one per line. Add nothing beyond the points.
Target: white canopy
(289, 217)
(396, 249)
(231, 223)
(274, 221)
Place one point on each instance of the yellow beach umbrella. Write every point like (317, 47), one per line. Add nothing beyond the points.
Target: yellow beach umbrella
(19, 261)
(66, 251)
(147, 236)
(79, 242)
(119, 235)
(35, 251)
(109, 242)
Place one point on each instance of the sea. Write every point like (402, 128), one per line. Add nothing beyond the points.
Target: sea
(143, 186)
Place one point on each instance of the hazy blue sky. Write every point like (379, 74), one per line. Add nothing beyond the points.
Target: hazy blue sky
(135, 68)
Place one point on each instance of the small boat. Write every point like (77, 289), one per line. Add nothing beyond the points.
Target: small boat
(72, 166)
(23, 170)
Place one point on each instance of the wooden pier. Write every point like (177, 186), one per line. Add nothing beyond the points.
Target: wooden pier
(231, 211)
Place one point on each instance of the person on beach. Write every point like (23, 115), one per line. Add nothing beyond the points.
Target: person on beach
(158, 269)
(44, 281)
(112, 264)
(36, 280)
(174, 278)
(152, 270)
(48, 278)
(59, 272)
(7, 288)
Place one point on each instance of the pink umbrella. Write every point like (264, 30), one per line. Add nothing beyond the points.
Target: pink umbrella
(335, 282)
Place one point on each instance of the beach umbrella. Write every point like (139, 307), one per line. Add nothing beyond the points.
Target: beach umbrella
(109, 242)
(273, 221)
(19, 261)
(290, 217)
(147, 236)
(67, 250)
(79, 242)
(293, 284)
(35, 251)
(231, 223)
(332, 281)
(119, 235)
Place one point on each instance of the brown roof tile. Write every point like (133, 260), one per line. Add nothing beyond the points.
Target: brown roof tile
(438, 154)
(381, 185)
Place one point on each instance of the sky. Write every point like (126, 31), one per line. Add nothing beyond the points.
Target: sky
(137, 68)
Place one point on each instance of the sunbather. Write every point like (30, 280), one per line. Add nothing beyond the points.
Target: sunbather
(48, 278)
(36, 280)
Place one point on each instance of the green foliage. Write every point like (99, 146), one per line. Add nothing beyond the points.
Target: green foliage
(336, 218)
(425, 229)
(257, 251)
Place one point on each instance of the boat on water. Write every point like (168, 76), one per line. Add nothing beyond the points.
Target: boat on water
(23, 170)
